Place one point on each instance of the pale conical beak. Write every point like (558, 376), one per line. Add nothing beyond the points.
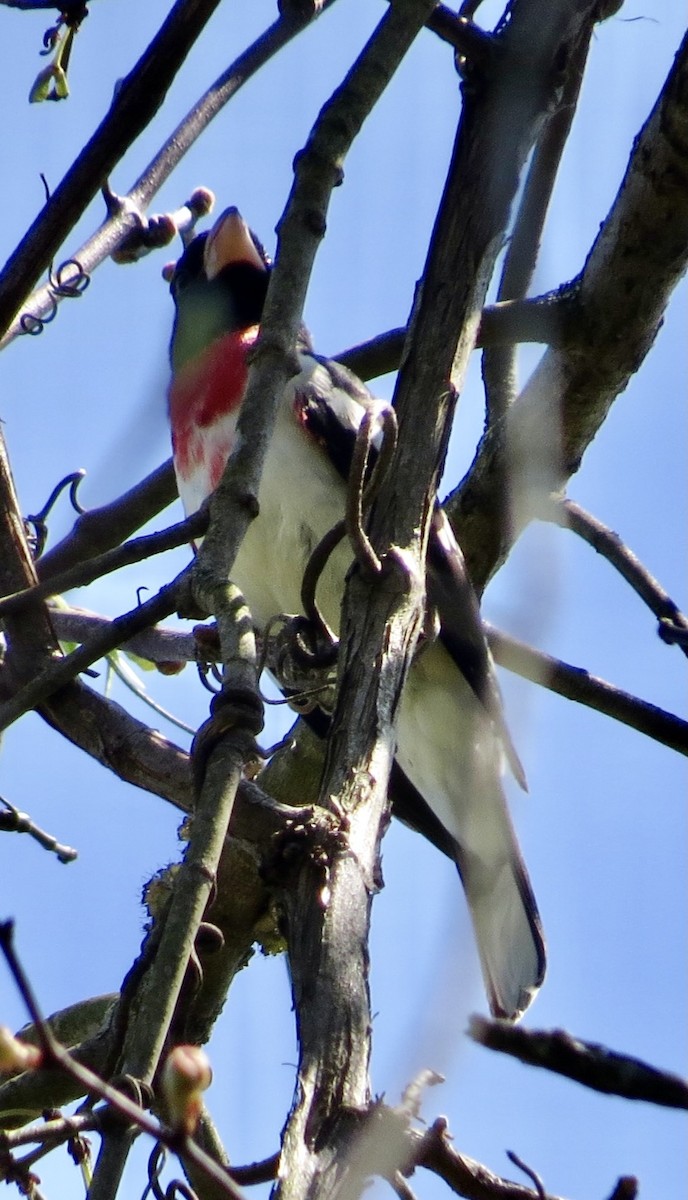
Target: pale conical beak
(229, 242)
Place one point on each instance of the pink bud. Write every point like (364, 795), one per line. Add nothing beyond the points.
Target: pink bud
(185, 1075)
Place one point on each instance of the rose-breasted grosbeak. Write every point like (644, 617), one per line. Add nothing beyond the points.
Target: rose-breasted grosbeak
(451, 735)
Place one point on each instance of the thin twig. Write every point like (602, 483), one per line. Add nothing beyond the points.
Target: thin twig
(257, 1172)
(358, 537)
(97, 159)
(56, 1055)
(14, 821)
(572, 682)
(101, 529)
(500, 363)
(588, 1063)
(575, 683)
(606, 542)
(125, 555)
(626, 1188)
(673, 635)
(64, 670)
(59, 1129)
(532, 1175)
(138, 98)
(403, 1189)
(466, 1177)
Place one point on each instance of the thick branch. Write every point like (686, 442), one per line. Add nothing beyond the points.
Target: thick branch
(381, 617)
(636, 261)
(541, 319)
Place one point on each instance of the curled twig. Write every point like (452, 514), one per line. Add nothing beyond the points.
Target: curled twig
(314, 569)
(68, 282)
(40, 519)
(361, 490)
(532, 1175)
(131, 109)
(257, 1172)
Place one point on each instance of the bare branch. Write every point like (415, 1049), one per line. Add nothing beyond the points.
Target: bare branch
(608, 543)
(466, 1177)
(546, 319)
(14, 821)
(638, 257)
(81, 574)
(626, 1188)
(100, 529)
(127, 218)
(588, 1063)
(157, 990)
(575, 683)
(138, 98)
(381, 624)
(137, 754)
(572, 682)
(63, 671)
(56, 1055)
(499, 364)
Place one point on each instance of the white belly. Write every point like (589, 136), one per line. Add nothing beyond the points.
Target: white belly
(298, 505)
(301, 497)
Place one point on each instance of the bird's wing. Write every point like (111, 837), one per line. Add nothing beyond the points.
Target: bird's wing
(330, 402)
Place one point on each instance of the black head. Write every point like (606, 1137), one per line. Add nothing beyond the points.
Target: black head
(218, 286)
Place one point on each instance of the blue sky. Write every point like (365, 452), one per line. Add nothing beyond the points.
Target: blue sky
(604, 825)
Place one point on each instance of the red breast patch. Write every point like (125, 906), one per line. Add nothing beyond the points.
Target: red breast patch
(210, 386)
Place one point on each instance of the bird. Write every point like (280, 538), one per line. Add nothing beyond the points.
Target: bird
(452, 739)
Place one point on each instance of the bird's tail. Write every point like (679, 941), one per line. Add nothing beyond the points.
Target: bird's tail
(507, 929)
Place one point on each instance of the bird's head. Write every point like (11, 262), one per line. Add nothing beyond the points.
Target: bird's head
(218, 286)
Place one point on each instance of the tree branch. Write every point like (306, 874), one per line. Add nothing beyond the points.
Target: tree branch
(100, 529)
(63, 671)
(499, 363)
(81, 574)
(57, 1056)
(127, 219)
(638, 257)
(380, 624)
(588, 1063)
(466, 1177)
(138, 98)
(545, 319)
(608, 543)
(575, 683)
